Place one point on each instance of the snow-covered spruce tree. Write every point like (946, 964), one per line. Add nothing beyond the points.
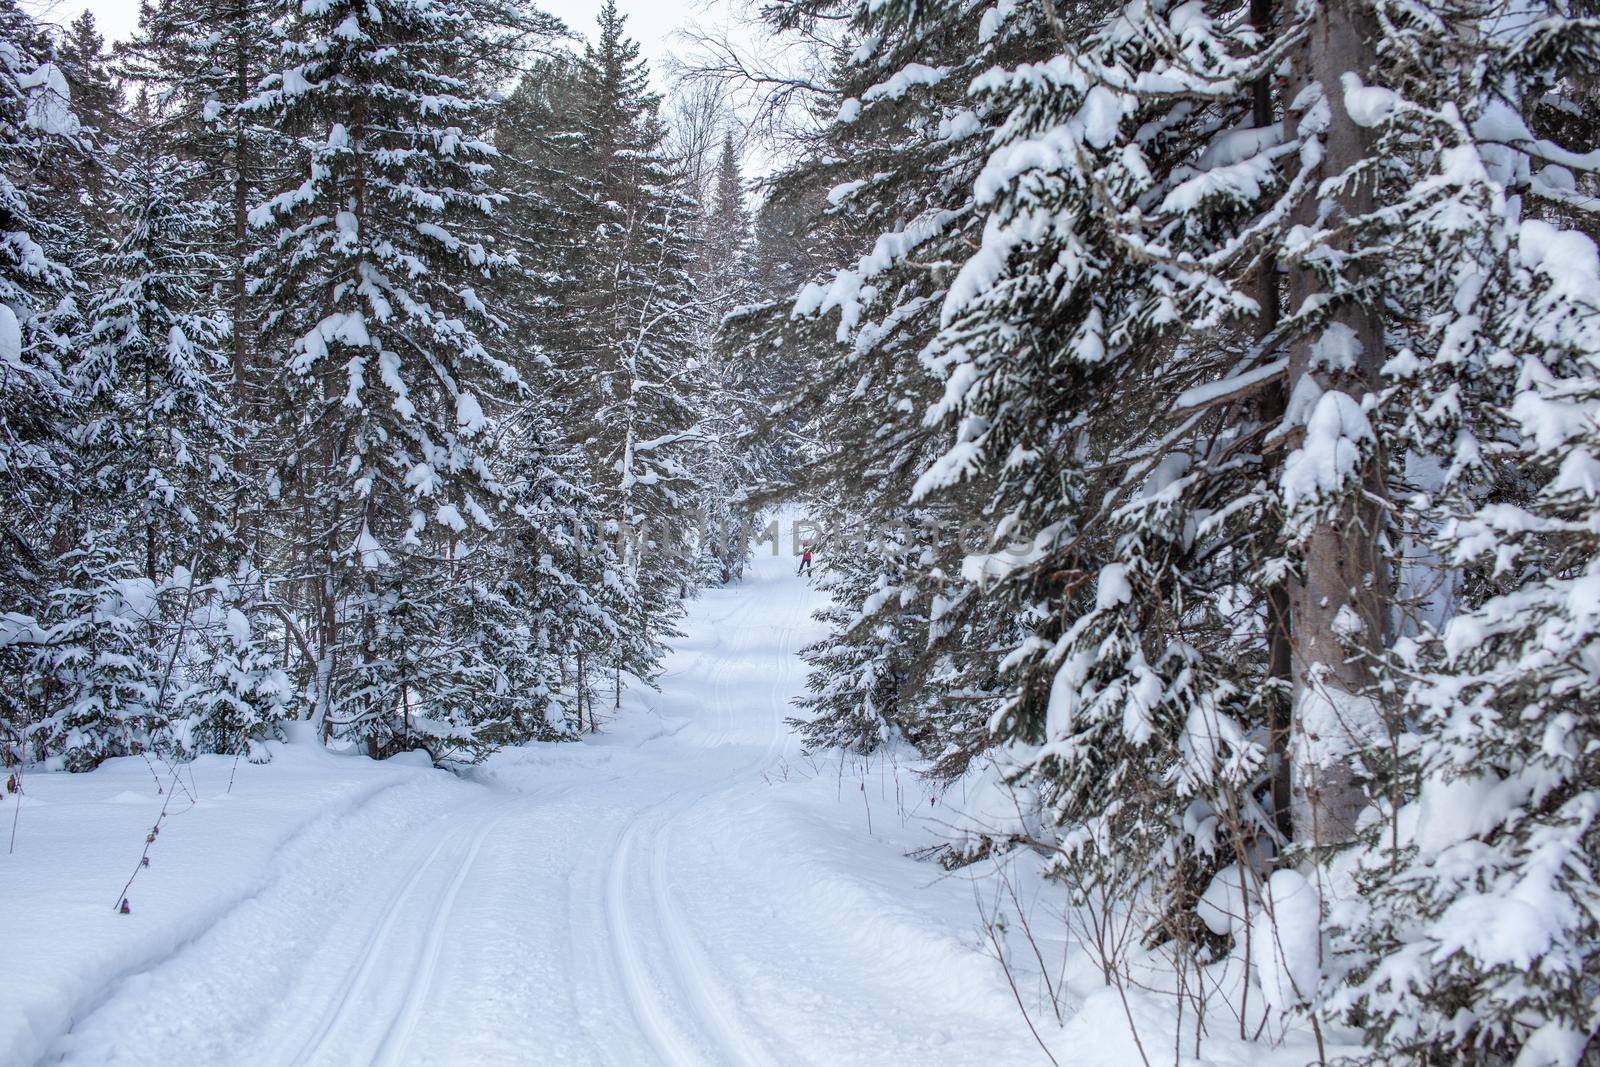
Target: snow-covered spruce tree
(569, 616)
(233, 692)
(35, 390)
(97, 99)
(727, 460)
(544, 217)
(76, 175)
(93, 678)
(125, 665)
(38, 404)
(558, 553)
(1100, 368)
(1129, 519)
(896, 171)
(862, 696)
(159, 434)
(156, 446)
(369, 291)
(1473, 936)
(726, 255)
(200, 62)
(645, 421)
(621, 340)
(1166, 354)
(1140, 392)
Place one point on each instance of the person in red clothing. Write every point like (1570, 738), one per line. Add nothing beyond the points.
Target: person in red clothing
(805, 562)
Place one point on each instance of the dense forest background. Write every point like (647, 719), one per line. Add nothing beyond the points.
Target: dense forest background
(359, 377)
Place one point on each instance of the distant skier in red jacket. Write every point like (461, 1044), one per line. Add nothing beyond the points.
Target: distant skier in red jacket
(805, 562)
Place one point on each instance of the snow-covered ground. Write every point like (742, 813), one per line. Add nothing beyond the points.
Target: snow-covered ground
(687, 888)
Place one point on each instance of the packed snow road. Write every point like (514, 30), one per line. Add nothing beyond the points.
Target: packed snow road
(687, 889)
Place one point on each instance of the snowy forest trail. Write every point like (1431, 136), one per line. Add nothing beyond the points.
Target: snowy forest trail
(687, 888)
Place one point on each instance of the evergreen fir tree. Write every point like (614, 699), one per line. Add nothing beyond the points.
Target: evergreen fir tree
(371, 280)
(38, 401)
(1475, 922)
(728, 238)
(862, 697)
(852, 345)
(732, 458)
(1179, 320)
(94, 679)
(234, 692)
(198, 64)
(160, 434)
(96, 97)
(640, 341)
(625, 366)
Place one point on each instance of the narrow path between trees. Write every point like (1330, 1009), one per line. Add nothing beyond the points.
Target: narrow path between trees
(686, 889)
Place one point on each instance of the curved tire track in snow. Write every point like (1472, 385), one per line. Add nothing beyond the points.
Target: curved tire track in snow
(646, 996)
(399, 1037)
(687, 978)
(357, 978)
(644, 1001)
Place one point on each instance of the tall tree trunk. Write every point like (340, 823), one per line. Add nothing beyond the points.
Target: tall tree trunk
(241, 224)
(1338, 598)
(1274, 402)
(243, 396)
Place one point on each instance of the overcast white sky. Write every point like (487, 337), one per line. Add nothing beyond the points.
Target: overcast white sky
(652, 22)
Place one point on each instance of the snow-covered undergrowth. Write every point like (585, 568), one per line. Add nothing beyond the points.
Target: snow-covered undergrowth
(1080, 977)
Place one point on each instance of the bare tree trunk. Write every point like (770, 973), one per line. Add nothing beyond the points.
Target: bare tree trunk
(1337, 600)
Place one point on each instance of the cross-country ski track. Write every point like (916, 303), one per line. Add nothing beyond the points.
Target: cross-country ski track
(686, 888)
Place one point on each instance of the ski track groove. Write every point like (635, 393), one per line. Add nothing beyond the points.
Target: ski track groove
(689, 978)
(398, 1039)
(644, 1003)
(631, 972)
(705, 995)
(402, 1023)
(356, 978)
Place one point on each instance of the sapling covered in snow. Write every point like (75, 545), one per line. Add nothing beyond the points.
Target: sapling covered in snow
(859, 682)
